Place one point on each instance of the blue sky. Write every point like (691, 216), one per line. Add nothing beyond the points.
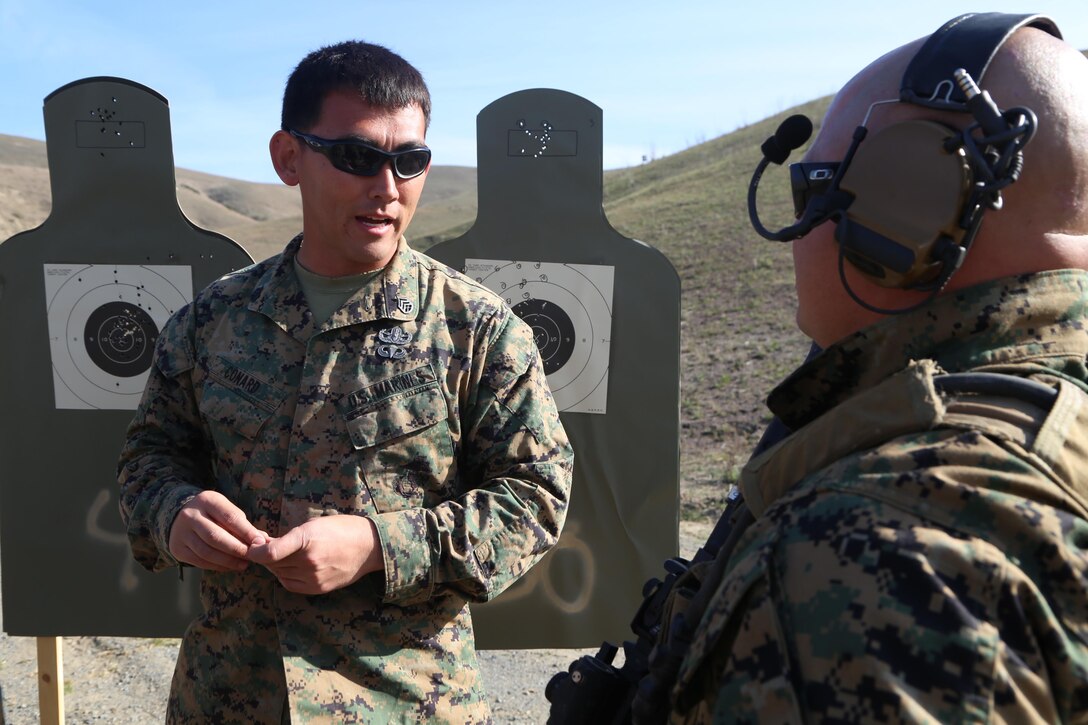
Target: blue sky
(666, 75)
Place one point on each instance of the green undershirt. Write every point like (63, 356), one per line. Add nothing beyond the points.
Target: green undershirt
(326, 295)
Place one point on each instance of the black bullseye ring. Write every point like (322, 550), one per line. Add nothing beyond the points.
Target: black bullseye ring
(120, 339)
(552, 330)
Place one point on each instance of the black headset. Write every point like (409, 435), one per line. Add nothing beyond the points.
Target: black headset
(908, 201)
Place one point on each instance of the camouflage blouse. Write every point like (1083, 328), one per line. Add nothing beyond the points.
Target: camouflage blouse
(421, 404)
(919, 554)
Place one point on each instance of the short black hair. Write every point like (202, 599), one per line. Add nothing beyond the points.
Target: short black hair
(381, 78)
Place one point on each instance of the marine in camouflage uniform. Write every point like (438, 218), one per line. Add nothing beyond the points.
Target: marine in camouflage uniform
(919, 549)
(421, 404)
(915, 557)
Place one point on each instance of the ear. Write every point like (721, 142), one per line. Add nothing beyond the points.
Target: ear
(283, 147)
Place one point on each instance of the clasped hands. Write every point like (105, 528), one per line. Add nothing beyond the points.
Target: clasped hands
(319, 556)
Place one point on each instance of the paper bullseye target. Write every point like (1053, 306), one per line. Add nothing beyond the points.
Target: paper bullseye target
(103, 323)
(569, 308)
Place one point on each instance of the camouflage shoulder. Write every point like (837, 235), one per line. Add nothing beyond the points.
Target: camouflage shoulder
(230, 290)
(237, 283)
(462, 284)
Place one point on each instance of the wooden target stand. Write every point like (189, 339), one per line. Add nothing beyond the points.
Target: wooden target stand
(51, 680)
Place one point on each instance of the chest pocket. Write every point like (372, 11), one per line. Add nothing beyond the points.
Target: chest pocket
(236, 405)
(399, 429)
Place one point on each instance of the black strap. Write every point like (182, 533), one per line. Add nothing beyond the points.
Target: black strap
(1031, 391)
(969, 42)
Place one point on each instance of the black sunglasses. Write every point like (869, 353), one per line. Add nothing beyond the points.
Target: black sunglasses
(362, 159)
(808, 180)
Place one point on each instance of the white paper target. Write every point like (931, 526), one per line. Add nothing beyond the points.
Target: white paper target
(103, 323)
(569, 307)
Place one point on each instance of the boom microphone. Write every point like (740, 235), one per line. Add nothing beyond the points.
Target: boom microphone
(791, 134)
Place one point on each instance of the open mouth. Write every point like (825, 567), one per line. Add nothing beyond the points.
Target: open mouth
(374, 221)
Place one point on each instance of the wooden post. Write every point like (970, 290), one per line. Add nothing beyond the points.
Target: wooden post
(50, 681)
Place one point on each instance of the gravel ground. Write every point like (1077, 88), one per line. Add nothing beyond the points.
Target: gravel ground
(124, 681)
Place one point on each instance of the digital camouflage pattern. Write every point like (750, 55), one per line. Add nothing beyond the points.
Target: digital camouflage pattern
(422, 404)
(916, 557)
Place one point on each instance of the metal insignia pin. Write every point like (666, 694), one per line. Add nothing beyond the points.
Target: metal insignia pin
(393, 352)
(395, 335)
(406, 305)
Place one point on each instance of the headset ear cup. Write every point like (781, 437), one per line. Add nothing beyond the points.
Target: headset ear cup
(873, 254)
(909, 193)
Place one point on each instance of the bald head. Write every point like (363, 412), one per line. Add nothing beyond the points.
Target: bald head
(1044, 221)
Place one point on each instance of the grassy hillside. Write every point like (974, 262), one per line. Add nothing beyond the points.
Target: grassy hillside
(737, 300)
(737, 333)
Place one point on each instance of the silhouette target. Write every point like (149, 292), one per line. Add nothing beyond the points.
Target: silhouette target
(605, 313)
(83, 297)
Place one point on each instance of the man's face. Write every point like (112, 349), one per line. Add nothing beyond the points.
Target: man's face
(351, 224)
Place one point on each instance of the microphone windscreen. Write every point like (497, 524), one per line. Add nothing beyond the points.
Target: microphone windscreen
(791, 133)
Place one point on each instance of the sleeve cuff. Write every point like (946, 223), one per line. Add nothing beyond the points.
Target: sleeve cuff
(409, 560)
(175, 498)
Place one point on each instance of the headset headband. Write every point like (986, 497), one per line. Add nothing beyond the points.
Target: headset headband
(969, 42)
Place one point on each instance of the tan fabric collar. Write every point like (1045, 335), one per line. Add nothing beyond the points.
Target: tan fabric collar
(1054, 440)
(858, 424)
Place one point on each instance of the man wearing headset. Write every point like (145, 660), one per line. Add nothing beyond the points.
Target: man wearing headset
(919, 546)
(351, 440)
